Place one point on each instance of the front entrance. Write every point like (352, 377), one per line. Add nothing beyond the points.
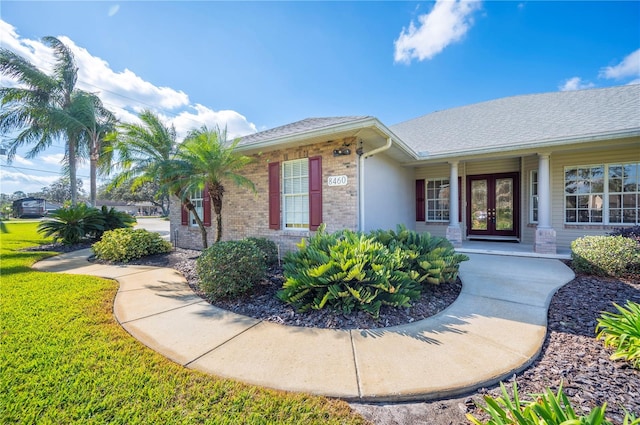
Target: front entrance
(493, 206)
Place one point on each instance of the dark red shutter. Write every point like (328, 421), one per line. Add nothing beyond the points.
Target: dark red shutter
(420, 200)
(206, 206)
(274, 195)
(315, 192)
(185, 215)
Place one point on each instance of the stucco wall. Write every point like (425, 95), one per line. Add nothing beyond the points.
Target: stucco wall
(389, 194)
(246, 213)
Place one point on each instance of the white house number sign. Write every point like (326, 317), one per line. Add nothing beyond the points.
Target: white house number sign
(337, 180)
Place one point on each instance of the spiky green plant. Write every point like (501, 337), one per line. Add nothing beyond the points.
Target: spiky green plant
(114, 219)
(546, 409)
(349, 271)
(73, 224)
(428, 259)
(621, 331)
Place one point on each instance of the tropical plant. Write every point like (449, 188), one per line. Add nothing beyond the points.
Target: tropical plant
(93, 122)
(73, 224)
(346, 271)
(229, 269)
(39, 105)
(428, 259)
(127, 244)
(546, 408)
(207, 161)
(621, 331)
(114, 219)
(606, 255)
(143, 154)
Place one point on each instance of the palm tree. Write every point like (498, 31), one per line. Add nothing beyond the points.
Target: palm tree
(34, 107)
(207, 161)
(95, 123)
(144, 152)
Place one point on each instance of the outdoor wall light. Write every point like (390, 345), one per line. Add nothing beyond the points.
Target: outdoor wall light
(341, 151)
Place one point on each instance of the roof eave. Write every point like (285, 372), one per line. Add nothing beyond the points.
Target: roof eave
(368, 122)
(540, 145)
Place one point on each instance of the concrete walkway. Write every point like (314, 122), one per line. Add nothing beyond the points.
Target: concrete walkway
(495, 328)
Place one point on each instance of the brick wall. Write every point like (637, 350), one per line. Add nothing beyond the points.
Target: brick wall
(245, 213)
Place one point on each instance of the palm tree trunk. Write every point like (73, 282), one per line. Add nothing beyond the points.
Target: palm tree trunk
(72, 170)
(203, 230)
(93, 165)
(216, 200)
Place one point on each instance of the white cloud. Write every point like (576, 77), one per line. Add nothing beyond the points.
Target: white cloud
(575, 83)
(447, 23)
(13, 181)
(199, 115)
(21, 160)
(113, 10)
(628, 68)
(123, 92)
(54, 159)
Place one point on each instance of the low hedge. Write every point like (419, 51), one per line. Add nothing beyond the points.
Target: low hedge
(606, 255)
(127, 244)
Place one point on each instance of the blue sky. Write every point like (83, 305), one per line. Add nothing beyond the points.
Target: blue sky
(257, 65)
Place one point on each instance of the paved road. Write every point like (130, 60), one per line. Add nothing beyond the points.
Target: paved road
(154, 224)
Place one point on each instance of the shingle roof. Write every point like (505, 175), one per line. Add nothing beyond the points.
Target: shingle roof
(524, 120)
(297, 128)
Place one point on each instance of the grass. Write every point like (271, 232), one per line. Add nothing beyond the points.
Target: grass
(64, 359)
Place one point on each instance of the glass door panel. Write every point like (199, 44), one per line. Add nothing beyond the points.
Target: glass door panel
(479, 204)
(492, 205)
(504, 204)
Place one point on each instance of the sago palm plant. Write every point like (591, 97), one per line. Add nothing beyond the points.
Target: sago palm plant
(71, 225)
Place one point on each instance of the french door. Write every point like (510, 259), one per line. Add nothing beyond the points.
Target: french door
(493, 205)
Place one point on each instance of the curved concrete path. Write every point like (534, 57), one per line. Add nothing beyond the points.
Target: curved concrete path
(495, 328)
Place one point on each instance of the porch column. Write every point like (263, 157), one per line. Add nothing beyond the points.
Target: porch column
(545, 238)
(454, 232)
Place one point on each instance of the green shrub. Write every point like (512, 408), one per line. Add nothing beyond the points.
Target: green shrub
(71, 225)
(605, 255)
(230, 269)
(268, 248)
(127, 244)
(622, 332)
(428, 259)
(547, 408)
(349, 271)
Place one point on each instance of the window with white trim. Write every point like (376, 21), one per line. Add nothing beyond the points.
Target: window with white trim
(602, 194)
(295, 193)
(196, 200)
(533, 202)
(624, 193)
(438, 200)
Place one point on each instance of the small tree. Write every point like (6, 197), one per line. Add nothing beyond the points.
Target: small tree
(207, 161)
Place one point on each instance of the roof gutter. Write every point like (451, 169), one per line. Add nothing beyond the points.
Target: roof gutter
(380, 149)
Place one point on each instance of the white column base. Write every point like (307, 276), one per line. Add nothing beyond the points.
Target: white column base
(545, 241)
(454, 235)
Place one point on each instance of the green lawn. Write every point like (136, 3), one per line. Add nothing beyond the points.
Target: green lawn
(64, 359)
